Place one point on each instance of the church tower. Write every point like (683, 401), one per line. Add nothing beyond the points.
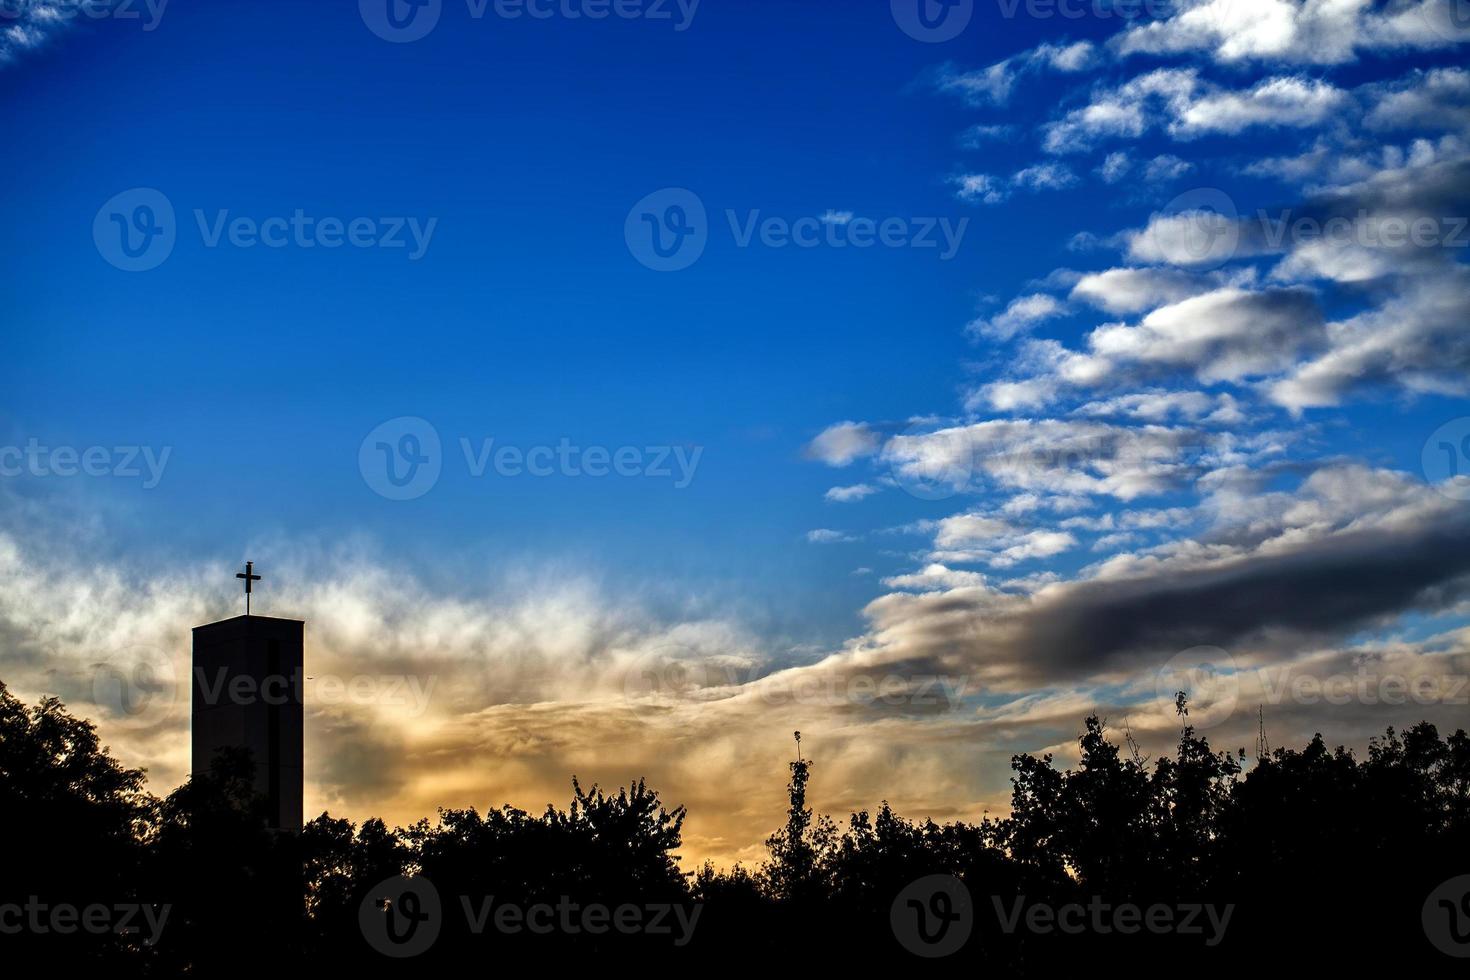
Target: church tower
(247, 693)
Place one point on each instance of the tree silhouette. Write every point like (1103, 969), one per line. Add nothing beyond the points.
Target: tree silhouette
(1312, 849)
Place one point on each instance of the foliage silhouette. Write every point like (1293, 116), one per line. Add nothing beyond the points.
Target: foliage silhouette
(1314, 850)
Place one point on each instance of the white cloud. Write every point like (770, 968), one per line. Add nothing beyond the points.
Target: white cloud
(1293, 31)
(844, 495)
(1115, 167)
(1067, 458)
(1292, 102)
(1044, 177)
(936, 577)
(986, 189)
(840, 444)
(1437, 99)
(1126, 111)
(824, 535)
(30, 25)
(1132, 290)
(1166, 167)
(1020, 315)
(1167, 406)
(1416, 339)
(995, 541)
(979, 188)
(993, 84)
(1186, 106)
(1228, 334)
(982, 133)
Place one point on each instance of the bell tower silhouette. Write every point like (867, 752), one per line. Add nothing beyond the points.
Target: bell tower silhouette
(247, 694)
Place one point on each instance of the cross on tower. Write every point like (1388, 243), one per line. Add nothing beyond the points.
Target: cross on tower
(249, 576)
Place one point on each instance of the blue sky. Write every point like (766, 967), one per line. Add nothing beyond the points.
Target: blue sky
(527, 319)
(1123, 412)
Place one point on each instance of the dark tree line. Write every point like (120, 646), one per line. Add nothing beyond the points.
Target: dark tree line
(1324, 858)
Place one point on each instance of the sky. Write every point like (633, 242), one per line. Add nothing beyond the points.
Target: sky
(617, 387)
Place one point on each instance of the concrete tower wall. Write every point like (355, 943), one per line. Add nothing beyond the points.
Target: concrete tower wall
(247, 685)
